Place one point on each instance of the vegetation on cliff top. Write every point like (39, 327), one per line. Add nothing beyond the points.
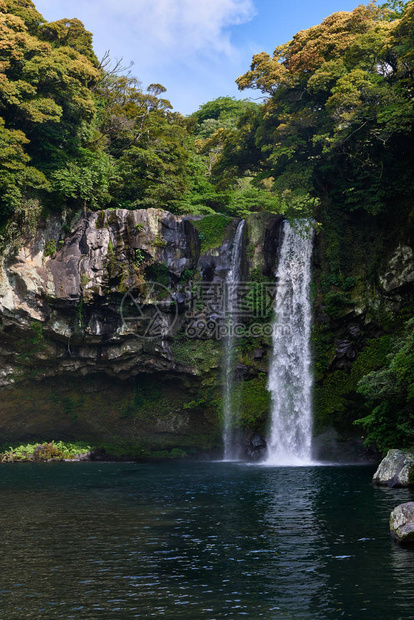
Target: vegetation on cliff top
(335, 126)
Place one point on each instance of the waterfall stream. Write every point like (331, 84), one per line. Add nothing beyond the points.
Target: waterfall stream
(290, 377)
(232, 280)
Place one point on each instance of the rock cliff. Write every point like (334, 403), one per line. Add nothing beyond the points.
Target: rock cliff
(96, 320)
(109, 330)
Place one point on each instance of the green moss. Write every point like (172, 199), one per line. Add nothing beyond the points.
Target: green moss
(50, 247)
(335, 397)
(158, 272)
(250, 401)
(212, 230)
(201, 355)
(38, 337)
(100, 220)
(145, 400)
(142, 451)
(159, 242)
(254, 403)
(336, 303)
(140, 418)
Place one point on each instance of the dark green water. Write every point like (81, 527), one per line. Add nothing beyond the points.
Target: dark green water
(199, 540)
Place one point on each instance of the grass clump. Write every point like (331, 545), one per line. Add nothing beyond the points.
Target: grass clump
(45, 451)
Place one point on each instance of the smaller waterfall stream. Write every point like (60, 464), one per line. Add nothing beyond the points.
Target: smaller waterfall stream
(232, 281)
(290, 377)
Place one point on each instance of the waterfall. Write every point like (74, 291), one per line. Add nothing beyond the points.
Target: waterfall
(290, 377)
(233, 278)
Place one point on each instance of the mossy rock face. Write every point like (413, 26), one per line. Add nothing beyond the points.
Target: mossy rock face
(199, 355)
(74, 369)
(264, 234)
(251, 404)
(141, 417)
(357, 314)
(335, 397)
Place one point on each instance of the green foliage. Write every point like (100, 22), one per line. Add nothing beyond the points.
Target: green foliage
(158, 272)
(146, 396)
(223, 109)
(69, 33)
(50, 247)
(212, 230)
(336, 303)
(389, 394)
(396, 8)
(247, 198)
(336, 399)
(46, 101)
(337, 117)
(86, 181)
(139, 257)
(43, 451)
(73, 129)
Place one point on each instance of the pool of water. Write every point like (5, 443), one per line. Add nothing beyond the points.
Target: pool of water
(199, 540)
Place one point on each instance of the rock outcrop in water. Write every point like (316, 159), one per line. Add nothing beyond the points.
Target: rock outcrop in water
(395, 470)
(402, 523)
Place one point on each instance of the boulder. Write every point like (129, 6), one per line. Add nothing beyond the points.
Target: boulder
(257, 448)
(402, 523)
(395, 470)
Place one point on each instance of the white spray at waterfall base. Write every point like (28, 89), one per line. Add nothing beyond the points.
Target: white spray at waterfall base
(290, 375)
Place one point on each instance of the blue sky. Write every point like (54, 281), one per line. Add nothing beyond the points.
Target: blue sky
(195, 48)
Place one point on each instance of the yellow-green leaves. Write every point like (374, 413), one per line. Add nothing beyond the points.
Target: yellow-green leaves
(69, 33)
(45, 95)
(12, 154)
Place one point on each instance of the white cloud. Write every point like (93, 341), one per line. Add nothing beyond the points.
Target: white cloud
(173, 27)
(184, 44)
(182, 26)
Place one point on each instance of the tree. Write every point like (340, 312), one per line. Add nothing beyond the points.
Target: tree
(389, 394)
(338, 109)
(45, 101)
(146, 140)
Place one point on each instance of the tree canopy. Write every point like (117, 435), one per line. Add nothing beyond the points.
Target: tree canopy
(338, 110)
(76, 132)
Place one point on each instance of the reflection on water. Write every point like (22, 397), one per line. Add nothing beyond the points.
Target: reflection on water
(200, 540)
(294, 538)
(402, 574)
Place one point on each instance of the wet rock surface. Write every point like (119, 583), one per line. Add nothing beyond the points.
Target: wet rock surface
(400, 269)
(257, 447)
(395, 470)
(402, 524)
